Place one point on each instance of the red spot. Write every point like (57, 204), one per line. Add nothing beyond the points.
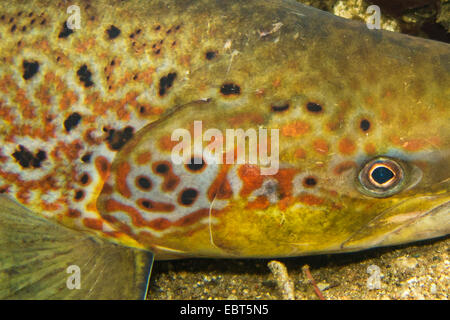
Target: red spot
(346, 146)
(166, 143)
(93, 223)
(123, 169)
(261, 202)
(193, 217)
(220, 188)
(284, 178)
(144, 157)
(285, 203)
(295, 129)
(164, 169)
(102, 165)
(320, 146)
(251, 178)
(300, 153)
(74, 213)
(152, 206)
(310, 199)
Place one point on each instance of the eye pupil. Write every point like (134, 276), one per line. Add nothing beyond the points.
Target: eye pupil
(382, 175)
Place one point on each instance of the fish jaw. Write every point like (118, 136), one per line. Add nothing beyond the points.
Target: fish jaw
(413, 220)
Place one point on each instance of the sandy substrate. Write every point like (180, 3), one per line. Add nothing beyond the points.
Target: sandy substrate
(418, 271)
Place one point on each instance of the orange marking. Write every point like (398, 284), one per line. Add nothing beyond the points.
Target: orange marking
(67, 100)
(43, 95)
(344, 166)
(193, 217)
(73, 213)
(286, 202)
(171, 180)
(276, 83)
(123, 170)
(320, 146)
(295, 129)
(25, 104)
(284, 178)
(85, 45)
(370, 148)
(144, 157)
(300, 153)
(93, 223)
(166, 143)
(347, 146)
(102, 165)
(220, 187)
(416, 144)
(156, 224)
(153, 206)
(311, 199)
(261, 202)
(251, 178)
(251, 117)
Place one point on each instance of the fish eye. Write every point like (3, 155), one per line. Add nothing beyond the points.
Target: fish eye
(381, 177)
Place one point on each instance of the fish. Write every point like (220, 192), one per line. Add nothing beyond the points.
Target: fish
(141, 130)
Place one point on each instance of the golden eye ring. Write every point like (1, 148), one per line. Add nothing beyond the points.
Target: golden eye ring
(381, 177)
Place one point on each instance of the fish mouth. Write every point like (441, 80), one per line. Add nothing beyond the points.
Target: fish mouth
(409, 221)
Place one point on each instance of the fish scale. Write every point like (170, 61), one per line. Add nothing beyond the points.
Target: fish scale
(87, 116)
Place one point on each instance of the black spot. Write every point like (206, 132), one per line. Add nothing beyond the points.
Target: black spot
(157, 28)
(211, 55)
(84, 178)
(364, 125)
(117, 139)
(44, 21)
(30, 68)
(24, 28)
(79, 194)
(85, 76)
(27, 159)
(86, 158)
(13, 28)
(310, 182)
(230, 88)
(280, 108)
(162, 168)
(314, 107)
(65, 32)
(146, 204)
(166, 83)
(382, 175)
(144, 183)
(113, 32)
(72, 121)
(193, 166)
(188, 196)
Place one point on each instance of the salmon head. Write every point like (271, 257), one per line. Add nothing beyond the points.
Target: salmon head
(304, 133)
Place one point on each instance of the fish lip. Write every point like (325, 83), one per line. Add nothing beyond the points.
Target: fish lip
(442, 210)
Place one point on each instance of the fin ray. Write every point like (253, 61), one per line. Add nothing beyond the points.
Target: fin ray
(35, 254)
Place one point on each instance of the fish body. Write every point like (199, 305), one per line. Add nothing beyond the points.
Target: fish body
(356, 122)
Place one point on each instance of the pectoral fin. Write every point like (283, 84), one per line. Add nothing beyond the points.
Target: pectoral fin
(40, 259)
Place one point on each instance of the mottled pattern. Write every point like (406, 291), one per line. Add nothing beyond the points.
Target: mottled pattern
(80, 143)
